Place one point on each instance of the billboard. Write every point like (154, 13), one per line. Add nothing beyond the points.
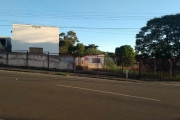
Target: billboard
(25, 36)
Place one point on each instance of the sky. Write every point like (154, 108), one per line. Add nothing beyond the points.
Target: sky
(106, 23)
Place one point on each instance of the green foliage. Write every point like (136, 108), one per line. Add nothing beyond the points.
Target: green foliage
(67, 42)
(125, 55)
(91, 49)
(109, 63)
(160, 37)
(80, 48)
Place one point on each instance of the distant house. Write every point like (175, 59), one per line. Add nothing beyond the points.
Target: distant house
(90, 61)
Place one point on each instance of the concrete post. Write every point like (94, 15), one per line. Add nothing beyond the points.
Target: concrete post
(27, 58)
(140, 69)
(7, 59)
(74, 62)
(48, 60)
(126, 73)
(170, 68)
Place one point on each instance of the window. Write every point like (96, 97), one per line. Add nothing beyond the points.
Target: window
(96, 60)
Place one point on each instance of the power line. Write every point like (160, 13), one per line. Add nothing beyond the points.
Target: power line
(74, 15)
(87, 27)
(92, 12)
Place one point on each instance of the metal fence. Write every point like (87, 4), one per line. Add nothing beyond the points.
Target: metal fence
(147, 69)
(106, 65)
(159, 69)
(150, 69)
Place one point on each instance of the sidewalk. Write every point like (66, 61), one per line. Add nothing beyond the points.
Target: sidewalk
(68, 74)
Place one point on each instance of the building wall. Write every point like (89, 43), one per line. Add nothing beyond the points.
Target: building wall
(3, 58)
(25, 36)
(88, 61)
(92, 64)
(61, 62)
(17, 59)
(38, 60)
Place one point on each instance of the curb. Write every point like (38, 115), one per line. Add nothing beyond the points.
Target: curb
(73, 74)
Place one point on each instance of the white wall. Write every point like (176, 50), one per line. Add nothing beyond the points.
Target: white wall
(38, 60)
(17, 59)
(96, 65)
(25, 36)
(61, 62)
(3, 58)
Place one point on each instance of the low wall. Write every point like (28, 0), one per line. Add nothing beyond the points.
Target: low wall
(37, 60)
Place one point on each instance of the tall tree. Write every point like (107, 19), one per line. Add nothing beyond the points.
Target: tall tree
(67, 42)
(80, 48)
(91, 49)
(160, 38)
(125, 54)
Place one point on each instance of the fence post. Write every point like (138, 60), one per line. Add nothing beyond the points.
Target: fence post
(98, 61)
(74, 62)
(27, 58)
(140, 69)
(170, 65)
(122, 66)
(154, 66)
(96, 64)
(7, 58)
(126, 73)
(48, 60)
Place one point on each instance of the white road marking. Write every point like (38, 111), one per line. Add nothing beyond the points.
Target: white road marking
(109, 93)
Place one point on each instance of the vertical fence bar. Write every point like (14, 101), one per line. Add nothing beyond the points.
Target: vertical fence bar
(96, 64)
(170, 68)
(140, 68)
(7, 57)
(48, 60)
(98, 61)
(27, 58)
(74, 62)
(122, 66)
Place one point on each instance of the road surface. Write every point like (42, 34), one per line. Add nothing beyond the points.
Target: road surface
(38, 96)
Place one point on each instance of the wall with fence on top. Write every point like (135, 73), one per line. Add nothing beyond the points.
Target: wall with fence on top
(25, 59)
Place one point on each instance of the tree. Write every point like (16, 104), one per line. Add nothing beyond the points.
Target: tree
(160, 38)
(91, 49)
(125, 54)
(80, 48)
(67, 42)
(91, 46)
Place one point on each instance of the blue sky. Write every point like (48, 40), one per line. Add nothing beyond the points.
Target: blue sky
(88, 18)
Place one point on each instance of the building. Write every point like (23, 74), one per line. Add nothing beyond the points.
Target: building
(25, 36)
(5, 44)
(90, 61)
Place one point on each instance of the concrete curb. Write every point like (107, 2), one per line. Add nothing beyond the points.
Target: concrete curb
(73, 74)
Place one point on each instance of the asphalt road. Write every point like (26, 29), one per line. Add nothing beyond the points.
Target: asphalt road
(38, 96)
